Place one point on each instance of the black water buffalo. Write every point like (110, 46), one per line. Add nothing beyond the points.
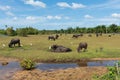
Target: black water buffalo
(81, 46)
(75, 36)
(59, 48)
(51, 38)
(13, 42)
(97, 34)
(109, 35)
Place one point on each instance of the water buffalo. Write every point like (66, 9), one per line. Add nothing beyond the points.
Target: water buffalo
(109, 35)
(13, 42)
(56, 36)
(97, 34)
(89, 35)
(81, 46)
(59, 48)
(51, 38)
(75, 36)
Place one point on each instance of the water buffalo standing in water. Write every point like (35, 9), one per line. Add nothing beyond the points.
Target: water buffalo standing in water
(81, 46)
(59, 48)
(13, 42)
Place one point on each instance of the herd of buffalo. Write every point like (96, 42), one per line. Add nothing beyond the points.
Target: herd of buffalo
(58, 48)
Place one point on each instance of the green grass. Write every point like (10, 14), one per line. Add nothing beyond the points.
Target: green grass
(39, 50)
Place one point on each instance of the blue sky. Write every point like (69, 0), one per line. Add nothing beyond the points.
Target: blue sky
(57, 14)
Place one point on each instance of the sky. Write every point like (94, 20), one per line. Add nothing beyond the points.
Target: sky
(58, 14)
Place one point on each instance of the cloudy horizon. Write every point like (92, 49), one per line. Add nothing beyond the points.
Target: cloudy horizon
(59, 14)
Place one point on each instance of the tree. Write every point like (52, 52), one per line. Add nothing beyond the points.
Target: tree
(90, 30)
(2, 31)
(31, 30)
(10, 31)
(22, 32)
(70, 30)
(113, 28)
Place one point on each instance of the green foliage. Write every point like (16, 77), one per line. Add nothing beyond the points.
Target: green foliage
(31, 31)
(113, 28)
(10, 31)
(27, 64)
(2, 31)
(27, 31)
(22, 32)
(111, 75)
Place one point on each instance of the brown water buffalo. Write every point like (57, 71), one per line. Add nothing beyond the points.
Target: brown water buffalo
(56, 36)
(89, 35)
(82, 45)
(59, 48)
(13, 42)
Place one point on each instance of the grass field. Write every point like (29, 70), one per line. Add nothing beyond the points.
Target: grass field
(39, 50)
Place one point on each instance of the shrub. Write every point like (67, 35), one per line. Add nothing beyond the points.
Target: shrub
(27, 64)
(111, 75)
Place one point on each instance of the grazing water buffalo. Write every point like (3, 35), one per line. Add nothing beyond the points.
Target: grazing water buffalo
(51, 38)
(89, 35)
(98, 34)
(81, 46)
(59, 48)
(13, 42)
(75, 36)
(109, 35)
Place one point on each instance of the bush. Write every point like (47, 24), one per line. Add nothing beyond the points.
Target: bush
(27, 64)
(22, 32)
(111, 75)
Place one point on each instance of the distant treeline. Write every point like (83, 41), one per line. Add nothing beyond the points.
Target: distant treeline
(113, 28)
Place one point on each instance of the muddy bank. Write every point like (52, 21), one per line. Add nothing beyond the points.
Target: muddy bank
(82, 73)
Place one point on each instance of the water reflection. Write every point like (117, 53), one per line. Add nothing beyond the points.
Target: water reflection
(97, 63)
(7, 70)
(53, 66)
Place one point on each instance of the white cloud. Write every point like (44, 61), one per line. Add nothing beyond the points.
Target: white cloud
(115, 15)
(54, 17)
(4, 8)
(9, 13)
(30, 18)
(63, 4)
(35, 3)
(49, 17)
(88, 16)
(57, 17)
(15, 18)
(73, 5)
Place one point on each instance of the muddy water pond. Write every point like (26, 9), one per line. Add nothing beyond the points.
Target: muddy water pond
(6, 71)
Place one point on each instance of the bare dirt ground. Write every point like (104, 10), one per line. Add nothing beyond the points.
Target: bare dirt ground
(80, 73)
